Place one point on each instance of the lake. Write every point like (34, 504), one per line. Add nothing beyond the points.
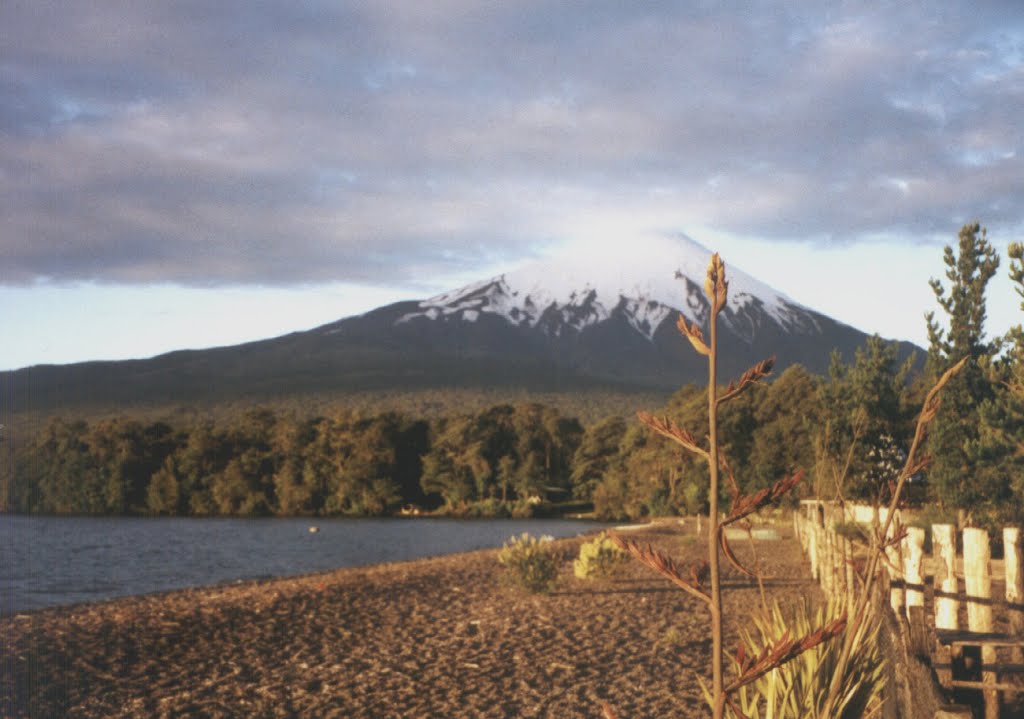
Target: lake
(50, 561)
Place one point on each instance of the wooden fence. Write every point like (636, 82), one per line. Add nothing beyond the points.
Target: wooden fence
(948, 600)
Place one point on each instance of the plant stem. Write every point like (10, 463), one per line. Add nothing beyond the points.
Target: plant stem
(718, 708)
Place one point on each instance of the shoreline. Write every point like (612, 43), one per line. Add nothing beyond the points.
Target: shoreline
(442, 636)
(57, 561)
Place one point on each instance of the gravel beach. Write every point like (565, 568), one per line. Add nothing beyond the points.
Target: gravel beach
(440, 637)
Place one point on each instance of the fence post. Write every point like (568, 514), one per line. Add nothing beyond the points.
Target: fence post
(851, 575)
(913, 556)
(839, 561)
(944, 551)
(895, 568)
(813, 534)
(978, 585)
(828, 563)
(1014, 586)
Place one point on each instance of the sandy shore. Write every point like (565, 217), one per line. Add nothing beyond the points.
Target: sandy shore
(442, 637)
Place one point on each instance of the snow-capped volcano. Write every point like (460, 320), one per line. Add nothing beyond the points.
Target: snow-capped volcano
(645, 281)
(582, 320)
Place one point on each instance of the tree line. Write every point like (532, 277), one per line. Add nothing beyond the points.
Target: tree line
(847, 430)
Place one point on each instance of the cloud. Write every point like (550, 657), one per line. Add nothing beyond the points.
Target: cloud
(283, 143)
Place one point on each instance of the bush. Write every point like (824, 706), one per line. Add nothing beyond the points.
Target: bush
(531, 563)
(598, 558)
(488, 509)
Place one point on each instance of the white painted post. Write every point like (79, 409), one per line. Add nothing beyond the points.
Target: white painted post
(837, 563)
(978, 585)
(826, 561)
(851, 575)
(1014, 576)
(813, 534)
(895, 568)
(913, 556)
(944, 552)
(978, 579)
(1014, 586)
(844, 587)
(833, 565)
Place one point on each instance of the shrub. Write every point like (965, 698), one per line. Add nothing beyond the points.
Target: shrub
(488, 508)
(531, 563)
(598, 558)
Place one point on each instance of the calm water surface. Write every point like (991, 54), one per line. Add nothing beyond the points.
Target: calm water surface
(48, 561)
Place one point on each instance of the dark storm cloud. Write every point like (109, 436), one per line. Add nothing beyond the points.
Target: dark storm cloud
(209, 143)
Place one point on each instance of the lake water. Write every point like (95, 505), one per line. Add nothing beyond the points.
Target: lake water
(49, 561)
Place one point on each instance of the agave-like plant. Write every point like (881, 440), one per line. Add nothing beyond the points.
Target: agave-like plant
(800, 689)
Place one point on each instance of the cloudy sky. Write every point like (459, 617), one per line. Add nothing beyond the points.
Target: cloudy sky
(181, 174)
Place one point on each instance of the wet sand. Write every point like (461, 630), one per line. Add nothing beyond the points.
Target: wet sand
(441, 637)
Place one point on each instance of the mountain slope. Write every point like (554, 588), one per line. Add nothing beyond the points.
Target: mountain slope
(570, 323)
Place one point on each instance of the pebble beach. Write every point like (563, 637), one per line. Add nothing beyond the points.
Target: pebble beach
(438, 637)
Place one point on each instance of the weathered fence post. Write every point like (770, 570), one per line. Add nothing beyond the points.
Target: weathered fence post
(895, 567)
(913, 556)
(947, 606)
(844, 588)
(1014, 586)
(851, 575)
(944, 551)
(813, 533)
(828, 573)
(978, 586)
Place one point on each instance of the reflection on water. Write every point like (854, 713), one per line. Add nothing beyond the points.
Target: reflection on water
(47, 561)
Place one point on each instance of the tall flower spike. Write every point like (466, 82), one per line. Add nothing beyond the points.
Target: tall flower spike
(715, 285)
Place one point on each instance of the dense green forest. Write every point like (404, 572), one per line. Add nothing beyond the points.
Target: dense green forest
(847, 430)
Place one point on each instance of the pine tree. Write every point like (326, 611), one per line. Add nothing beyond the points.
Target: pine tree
(1000, 442)
(960, 477)
(868, 427)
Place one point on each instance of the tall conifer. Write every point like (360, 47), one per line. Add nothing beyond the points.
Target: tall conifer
(958, 476)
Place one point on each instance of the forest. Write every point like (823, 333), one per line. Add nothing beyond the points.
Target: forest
(847, 431)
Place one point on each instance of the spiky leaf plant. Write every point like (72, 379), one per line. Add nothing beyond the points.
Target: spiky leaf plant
(800, 688)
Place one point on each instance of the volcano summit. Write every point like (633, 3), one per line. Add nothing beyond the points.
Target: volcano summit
(581, 319)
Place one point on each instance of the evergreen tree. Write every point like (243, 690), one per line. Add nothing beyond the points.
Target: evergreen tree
(868, 424)
(785, 413)
(959, 476)
(1000, 442)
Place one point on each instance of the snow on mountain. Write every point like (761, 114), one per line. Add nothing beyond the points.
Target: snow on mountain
(647, 280)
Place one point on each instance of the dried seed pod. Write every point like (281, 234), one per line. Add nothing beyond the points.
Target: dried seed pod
(693, 333)
(752, 376)
(715, 285)
(667, 567)
(667, 428)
